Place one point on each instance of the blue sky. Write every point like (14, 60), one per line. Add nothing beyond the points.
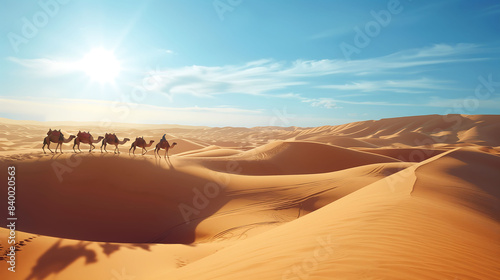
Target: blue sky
(247, 63)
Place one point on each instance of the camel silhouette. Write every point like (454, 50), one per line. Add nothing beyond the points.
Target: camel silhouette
(86, 138)
(111, 139)
(57, 258)
(55, 136)
(140, 142)
(164, 145)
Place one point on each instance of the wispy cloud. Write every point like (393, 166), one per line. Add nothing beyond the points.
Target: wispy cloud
(264, 76)
(327, 103)
(463, 104)
(46, 66)
(401, 86)
(267, 77)
(166, 51)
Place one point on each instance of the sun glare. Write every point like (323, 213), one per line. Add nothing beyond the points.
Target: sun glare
(100, 65)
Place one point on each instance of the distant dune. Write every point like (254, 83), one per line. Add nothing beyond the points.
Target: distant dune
(402, 198)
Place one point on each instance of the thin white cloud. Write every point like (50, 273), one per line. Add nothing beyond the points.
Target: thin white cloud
(327, 103)
(264, 76)
(46, 66)
(267, 77)
(401, 86)
(461, 105)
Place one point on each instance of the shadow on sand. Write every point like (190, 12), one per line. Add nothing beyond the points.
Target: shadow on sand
(58, 257)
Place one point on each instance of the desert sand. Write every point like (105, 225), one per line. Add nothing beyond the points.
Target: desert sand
(401, 198)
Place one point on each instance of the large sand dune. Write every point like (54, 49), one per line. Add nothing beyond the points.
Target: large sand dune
(404, 198)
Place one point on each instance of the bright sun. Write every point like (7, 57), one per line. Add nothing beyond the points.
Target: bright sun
(100, 65)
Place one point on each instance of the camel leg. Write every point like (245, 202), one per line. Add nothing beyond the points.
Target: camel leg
(77, 143)
(132, 147)
(91, 147)
(60, 147)
(116, 148)
(144, 150)
(166, 153)
(46, 142)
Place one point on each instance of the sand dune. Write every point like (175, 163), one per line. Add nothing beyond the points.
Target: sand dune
(406, 154)
(403, 198)
(382, 231)
(291, 157)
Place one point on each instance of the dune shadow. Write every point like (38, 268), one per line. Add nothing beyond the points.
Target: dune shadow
(133, 195)
(110, 248)
(58, 257)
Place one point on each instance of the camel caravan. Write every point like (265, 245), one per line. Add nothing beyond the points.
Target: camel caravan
(56, 136)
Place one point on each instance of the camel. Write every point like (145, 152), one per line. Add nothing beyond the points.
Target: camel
(163, 145)
(87, 138)
(111, 139)
(140, 142)
(55, 136)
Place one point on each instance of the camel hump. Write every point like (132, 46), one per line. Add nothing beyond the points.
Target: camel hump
(84, 135)
(140, 141)
(57, 133)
